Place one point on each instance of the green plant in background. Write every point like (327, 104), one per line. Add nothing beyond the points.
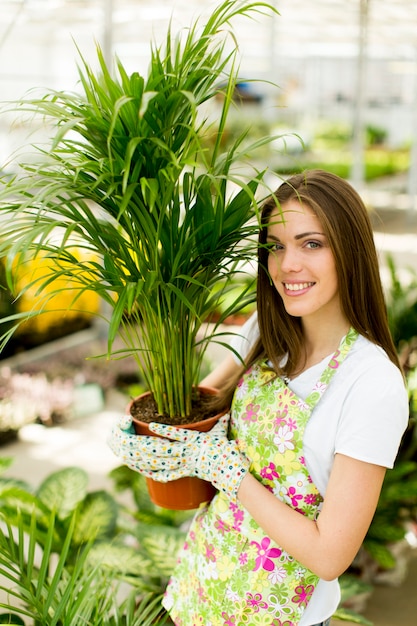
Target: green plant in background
(351, 589)
(331, 149)
(396, 507)
(402, 314)
(159, 533)
(332, 134)
(375, 135)
(63, 493)
(129, 178)
(402, 308)
(7, 305)
(377, 162)
(67, 558)
(81, 594)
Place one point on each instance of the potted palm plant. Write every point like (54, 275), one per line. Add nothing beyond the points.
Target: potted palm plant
(139, 178)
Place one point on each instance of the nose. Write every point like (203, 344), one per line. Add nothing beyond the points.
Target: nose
(290, 260)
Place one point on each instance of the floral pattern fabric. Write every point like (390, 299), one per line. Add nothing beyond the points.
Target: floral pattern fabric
(229, 572)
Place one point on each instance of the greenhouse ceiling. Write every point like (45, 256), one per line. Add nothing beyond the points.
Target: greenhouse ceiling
(338, 56)
(33, 29)
(392, 23)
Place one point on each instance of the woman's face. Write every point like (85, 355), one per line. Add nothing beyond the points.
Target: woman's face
(301, 264)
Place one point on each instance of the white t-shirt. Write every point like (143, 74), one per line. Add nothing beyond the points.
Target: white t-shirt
(362, 414)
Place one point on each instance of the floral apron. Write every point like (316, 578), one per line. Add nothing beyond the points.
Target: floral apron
(229, 572)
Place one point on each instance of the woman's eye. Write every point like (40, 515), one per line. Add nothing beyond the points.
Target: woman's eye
(274, 246)
(313, 244)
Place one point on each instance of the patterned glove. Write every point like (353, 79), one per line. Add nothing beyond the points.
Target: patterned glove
(210, 456)
(141, 453)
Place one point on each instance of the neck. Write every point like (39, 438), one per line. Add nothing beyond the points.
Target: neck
(321, 341)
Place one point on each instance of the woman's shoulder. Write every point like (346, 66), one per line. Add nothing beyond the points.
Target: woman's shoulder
(369, 364)
(373, 402)
(367, 351)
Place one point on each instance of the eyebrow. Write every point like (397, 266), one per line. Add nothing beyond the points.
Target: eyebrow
(300, 236)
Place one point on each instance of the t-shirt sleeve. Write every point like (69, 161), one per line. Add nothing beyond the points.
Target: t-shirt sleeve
(375, 415)
(245, 338)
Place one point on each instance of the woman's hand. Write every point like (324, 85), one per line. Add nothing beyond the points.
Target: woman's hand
(180, 452)
(141, 453)
(210, 456)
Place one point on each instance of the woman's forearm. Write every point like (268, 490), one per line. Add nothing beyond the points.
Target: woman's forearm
(281, 523)
(326, 546)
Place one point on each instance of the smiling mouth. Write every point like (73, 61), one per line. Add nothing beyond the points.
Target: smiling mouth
(297, 286)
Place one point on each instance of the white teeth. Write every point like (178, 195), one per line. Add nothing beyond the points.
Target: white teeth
(297, 286)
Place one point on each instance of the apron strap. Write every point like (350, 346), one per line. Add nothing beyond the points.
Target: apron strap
(332, 367)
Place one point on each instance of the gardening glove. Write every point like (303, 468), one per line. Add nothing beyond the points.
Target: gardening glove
(140, 453)
(210, 456)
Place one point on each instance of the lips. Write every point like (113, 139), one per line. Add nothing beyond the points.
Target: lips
(297, 286)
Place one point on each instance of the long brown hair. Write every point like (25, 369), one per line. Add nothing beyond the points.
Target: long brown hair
(346, 223)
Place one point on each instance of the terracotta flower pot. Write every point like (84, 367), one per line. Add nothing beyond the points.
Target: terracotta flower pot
(184, 493)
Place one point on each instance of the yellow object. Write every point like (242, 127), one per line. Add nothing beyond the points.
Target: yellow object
(62, 301)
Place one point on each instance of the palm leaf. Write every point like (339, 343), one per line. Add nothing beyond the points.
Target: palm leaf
(133, 181)
(80, 591)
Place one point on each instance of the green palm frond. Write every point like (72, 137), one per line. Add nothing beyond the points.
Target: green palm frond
(133, 203)
(67, 564)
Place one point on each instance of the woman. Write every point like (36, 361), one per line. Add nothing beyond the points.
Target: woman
(316, 417)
